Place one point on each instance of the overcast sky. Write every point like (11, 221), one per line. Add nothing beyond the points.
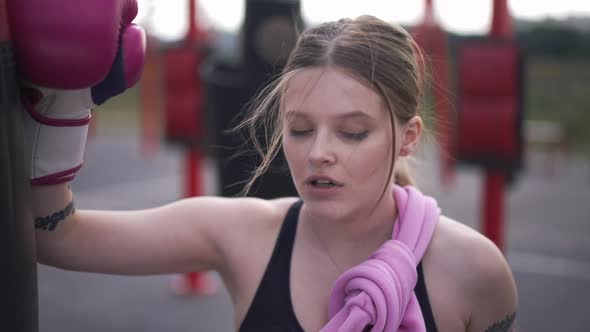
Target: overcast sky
(169, 17)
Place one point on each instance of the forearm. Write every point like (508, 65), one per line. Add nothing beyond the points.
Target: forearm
(54, 214)
(152, 241)
(89, 241)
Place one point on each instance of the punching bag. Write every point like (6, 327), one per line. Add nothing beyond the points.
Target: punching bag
(18, 276)
(268, 36)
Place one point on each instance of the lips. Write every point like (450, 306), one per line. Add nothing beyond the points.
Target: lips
(323, 181)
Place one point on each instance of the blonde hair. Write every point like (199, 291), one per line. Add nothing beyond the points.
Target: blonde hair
(379, 54)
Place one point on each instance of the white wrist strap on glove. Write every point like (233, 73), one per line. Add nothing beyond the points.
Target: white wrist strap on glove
(56, 126)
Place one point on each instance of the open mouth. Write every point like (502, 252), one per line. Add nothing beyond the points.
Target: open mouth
(323, 184)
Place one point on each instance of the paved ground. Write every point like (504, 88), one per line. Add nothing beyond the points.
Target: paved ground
(548, 245)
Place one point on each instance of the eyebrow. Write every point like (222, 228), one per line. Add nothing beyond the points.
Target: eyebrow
(347, 115)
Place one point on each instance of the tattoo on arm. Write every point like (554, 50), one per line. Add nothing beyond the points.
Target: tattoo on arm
(49, 223)
(503, 325)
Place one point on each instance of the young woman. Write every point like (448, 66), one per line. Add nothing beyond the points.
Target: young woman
(345, 112)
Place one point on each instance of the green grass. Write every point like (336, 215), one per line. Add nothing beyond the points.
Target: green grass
(558, 90)
(121, 112)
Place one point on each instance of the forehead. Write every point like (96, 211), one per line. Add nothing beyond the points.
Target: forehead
(330, 91)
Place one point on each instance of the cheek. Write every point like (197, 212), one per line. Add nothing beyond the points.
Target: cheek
(293, 154)
(371, 161)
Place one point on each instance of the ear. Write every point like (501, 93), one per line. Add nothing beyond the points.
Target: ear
(411, 132)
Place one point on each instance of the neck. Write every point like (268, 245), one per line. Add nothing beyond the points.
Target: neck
(350, 239)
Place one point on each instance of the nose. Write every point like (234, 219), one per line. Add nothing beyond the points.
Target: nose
(321, 151)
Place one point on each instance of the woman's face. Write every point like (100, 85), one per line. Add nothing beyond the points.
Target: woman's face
(337, 139)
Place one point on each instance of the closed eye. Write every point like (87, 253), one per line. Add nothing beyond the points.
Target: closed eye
(355, 136)
(298, 133)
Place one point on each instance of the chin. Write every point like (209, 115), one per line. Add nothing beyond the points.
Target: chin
(329, 209)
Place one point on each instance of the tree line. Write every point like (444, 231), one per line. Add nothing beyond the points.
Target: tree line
(554, 40)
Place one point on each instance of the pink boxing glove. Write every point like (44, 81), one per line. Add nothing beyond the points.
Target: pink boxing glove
(71, 56)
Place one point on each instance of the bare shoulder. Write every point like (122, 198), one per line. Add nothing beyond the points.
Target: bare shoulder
(232, 211)
(237, 224)
(234, 216)
(261, 212)
(228, 225)
(473, 256)
(480, 273)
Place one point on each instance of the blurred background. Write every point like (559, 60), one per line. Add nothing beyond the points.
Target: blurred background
(162, 141)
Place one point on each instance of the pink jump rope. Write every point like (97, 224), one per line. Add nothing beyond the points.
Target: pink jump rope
(380, 291)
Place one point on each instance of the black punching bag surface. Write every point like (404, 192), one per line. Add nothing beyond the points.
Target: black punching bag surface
(18, 276)
(269, 34)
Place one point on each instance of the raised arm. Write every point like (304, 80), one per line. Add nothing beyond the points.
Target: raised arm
(72, 56)
(179, 237)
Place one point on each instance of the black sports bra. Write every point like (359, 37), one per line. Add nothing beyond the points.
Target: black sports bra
(271, 309)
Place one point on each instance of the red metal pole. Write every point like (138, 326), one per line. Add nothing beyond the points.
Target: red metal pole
(501, 20)
(493, 209)
(429, 18)
(196, 282)
(494, 192)
(193, 32)
(192, 173)
(193, 157)
(150, 99)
